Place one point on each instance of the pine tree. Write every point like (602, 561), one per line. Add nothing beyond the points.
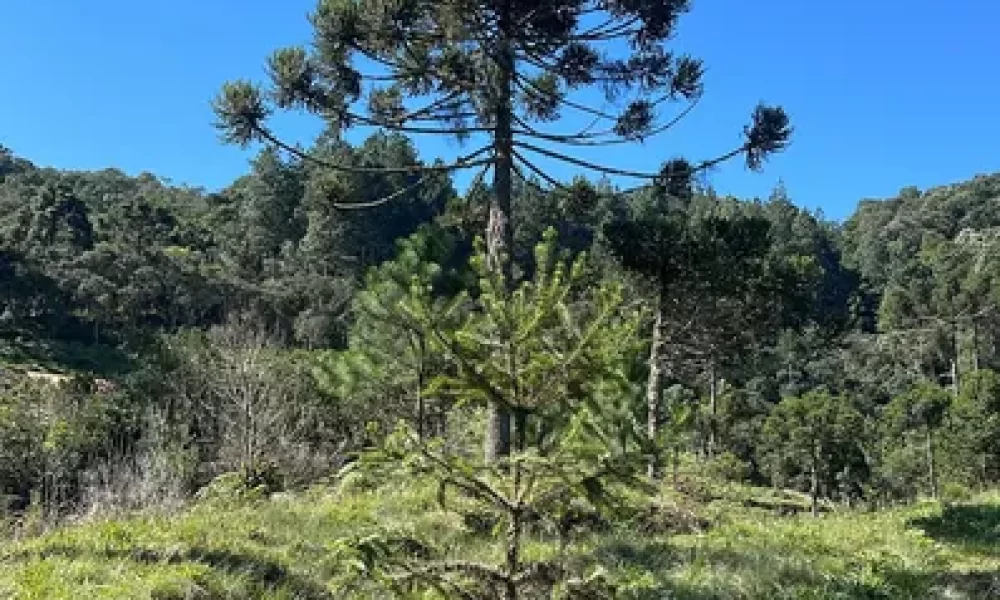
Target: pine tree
(391, 357)
(497, 71)
(811, 436)
(924, 407)
(576, 443)
(708, 282)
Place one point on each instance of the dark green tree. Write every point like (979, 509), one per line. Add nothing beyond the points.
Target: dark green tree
(498, 71)
(708, 286)
(11, 164)
(391, 359)
(813, 437)
(922, 409)
(971, 436)
(577, 446)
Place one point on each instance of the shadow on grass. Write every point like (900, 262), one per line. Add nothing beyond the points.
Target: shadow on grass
(653, 555)
(766, 572)
(973, 528)
(969, 585)
(726, 573)
(261, 572)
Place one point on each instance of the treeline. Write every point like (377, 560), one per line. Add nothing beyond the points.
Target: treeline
(102, 257)
(282, 322)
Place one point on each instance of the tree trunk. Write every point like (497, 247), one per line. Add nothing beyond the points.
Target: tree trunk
(499, 229)
(677, 465)
(984, 471)
(421, 408)
(814, 489)
(954, 377)
(654, 385)
(518, 431)
(515, 513)
(975, 347)
(713, 410)
(930, 463)
(513, 554)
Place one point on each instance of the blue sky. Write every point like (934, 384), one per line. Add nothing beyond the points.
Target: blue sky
(883, 94)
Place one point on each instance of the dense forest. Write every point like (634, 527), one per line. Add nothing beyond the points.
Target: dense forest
(546, 360)
(259, 330)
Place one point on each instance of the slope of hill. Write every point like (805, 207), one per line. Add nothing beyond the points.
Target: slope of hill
(291, 546)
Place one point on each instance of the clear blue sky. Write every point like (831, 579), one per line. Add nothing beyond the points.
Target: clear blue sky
(882, 93)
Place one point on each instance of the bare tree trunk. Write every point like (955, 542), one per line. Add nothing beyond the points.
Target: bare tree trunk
(975, 347)
(500, 229)
(421, 409)
(677, 465)
(514, 530)
(513, 558)
(930, 463)
(249, 433)
(713, 410)
(654, 385)
(814, 489)
(984, 470)
(518, 431)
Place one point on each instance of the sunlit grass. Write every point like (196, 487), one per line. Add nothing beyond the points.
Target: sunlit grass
(283, 548)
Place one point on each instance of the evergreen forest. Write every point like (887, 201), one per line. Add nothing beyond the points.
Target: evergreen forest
(362, 371)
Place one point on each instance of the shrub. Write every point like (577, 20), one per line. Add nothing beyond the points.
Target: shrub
(728, 467)
(952, 492)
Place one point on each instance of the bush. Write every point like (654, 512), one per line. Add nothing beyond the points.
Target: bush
(50, 434)
(728, 467)
(241, 487)
(954, 493)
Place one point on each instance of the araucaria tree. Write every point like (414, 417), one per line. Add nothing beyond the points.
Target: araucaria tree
(496, 74)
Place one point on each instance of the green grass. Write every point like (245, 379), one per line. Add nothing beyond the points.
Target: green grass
(286, 548)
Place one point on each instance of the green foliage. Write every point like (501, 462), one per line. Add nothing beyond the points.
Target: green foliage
(501, 69)
(561, 372)
(728, 467)
(810, 441)
(924, 406)
(391, 358)
(249, 485)
(551, 346)
(50, 434)
(921, 410)
(970, 445)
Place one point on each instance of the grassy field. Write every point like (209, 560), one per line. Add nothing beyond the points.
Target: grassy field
(286, 547)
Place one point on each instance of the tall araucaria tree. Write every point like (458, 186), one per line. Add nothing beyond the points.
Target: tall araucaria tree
(709, 283)
(495, 74)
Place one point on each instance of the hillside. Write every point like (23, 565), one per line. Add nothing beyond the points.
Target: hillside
(254, 339)
(220, 355)
(503, 327)
(293, 546)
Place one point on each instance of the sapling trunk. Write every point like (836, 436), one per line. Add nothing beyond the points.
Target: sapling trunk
(421, 406)
(932, 476)
(814, 491)
(513, 558)
(654, 385)
(713, 410)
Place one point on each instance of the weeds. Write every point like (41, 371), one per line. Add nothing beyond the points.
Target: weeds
(285, 547)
